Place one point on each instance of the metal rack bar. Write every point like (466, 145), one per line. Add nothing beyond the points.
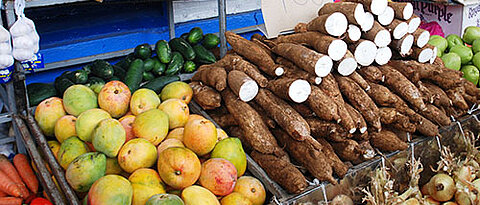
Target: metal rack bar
(222, 16)
(42, 3)
(171, 20)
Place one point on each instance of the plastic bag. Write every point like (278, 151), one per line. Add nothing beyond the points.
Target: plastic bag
(6, 58)
(24, 35)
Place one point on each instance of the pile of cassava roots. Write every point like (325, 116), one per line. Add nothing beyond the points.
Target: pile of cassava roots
(356, 80)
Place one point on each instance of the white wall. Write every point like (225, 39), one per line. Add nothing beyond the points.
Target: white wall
(186, 10)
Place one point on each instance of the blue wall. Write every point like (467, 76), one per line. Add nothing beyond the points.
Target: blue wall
(80, 30)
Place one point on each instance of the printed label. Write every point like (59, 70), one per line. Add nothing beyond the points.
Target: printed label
(35, 63)
(6, 74)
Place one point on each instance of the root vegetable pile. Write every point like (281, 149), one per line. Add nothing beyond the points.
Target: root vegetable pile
(352, 81)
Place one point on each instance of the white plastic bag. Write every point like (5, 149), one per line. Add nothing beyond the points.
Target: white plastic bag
(6, 58)
(24, 36)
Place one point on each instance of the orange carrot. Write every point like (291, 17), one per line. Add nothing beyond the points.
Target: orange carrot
(3, 194)
(21, 163)
(8, 169)
(10, 201)
(8, 186)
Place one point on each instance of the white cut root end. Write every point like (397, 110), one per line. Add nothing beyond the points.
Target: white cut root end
(384, 54)
(336, 24)
(386, 17)
(377, 7)
(413, 24)
(368, 22)
(407, 11)
(323, 66)
(351, 131)
(423, 39)
(248, 91)
(400, 30)
(354, 33)
(347, 66)
(363, 130)
(434, 55)
(425, 55)
(279, 71)
(383, 38)
(318, 80)
(337, 49)
(364, 53)
(299, 91)
(406, 45)
(359, 14)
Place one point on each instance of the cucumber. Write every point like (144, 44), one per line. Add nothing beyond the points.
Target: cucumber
(148, 64)
(210, 41)
(148, 76)
(37, 92)
(163, 51)
(189, 67)
(184, 36)
(96, 84)
(87, 68)
(195, 35)
(175, 65)
(143, 51)
(78, 76)
(102, 69)
(61, 84)
(159, 68)
(119, 72)
(134, 75)
(204, 56)
(182, 46)
(157, 84)
(115, 78)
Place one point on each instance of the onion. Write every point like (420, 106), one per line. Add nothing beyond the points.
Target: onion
(411, 201)
(342, 200)
(465, 174)
(462, 198)
(431, 201)
(449, 203)
(442, 187)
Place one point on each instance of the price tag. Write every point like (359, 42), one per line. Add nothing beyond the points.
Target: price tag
(35, 63)
(6, 74)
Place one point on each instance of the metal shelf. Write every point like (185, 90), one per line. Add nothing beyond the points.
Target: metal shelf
(42, 3)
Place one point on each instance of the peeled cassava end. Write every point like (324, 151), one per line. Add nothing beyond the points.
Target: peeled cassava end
(364, 53)
(377, 7)
(347, 66)
(368, 22)
(299, 91)
(386, 17)
(400, 30)
(413, 24)
(336, 24)
(354, 33)
(382, 38)
(323, 66)
(337, 49)
(384, 54)
(248, 91)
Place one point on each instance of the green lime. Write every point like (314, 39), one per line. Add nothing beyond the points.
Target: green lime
(471, 73)
(438, 42)
(464, 52)
(470, 34)
(452, 61)
(476, 60)
(476, 46)
(453, 40)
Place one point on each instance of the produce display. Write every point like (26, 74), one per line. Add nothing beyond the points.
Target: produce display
(309, 105)
(461, 54)
(146, 67)
(140, 147)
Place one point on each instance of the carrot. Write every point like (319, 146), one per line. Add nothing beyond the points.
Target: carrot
(10, 201)
(8, 169)
(21, 163)
(3, 194)
(8, 186)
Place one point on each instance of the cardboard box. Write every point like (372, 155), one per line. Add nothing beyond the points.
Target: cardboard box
(453, 17)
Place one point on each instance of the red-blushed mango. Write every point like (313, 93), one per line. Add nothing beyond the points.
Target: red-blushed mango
(235, 198)
(127, 123)
(65, 128)
(176, 133)
(108, 137)
(137, 153)
(169, 143)
(197, 195)
(143, 100)
(219, 176)
(177, 90)
(114, 98)
(47, 114)
(78, 99)
(87, 121)
(231, 149)
(195, 117)
(178, 167)
(151, 125)
(251, 188)
(145, 183)
(200, 136)
(177, 111)
(85, 170)
(111, 190)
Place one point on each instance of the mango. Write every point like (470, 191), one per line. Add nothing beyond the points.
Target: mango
(177, 111)
(137, 153)
(177, 90)
(87, 121)
(195, 117)
(145, 183)
(142, 100)
(127, 123)
(176, 133)
(251, 188)
(114, 98)
(178, 167)
(108, 137)
(197, 195)
(79, 98)
(164, 199)
(71, 149)
(221, 134)
(231, 149)
(219, 176)
(151, 125)
(169, 143)
(200, 136)
(235, 199)
(55, 147)
(111, 190)
(47, 114)
(113, 167)
(85, 170)
(65, 128)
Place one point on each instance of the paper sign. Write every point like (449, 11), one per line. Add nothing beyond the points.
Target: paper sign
(35, 63)
(283, 15)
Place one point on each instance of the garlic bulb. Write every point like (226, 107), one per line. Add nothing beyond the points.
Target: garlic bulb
(6, 58)
(25, 39)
